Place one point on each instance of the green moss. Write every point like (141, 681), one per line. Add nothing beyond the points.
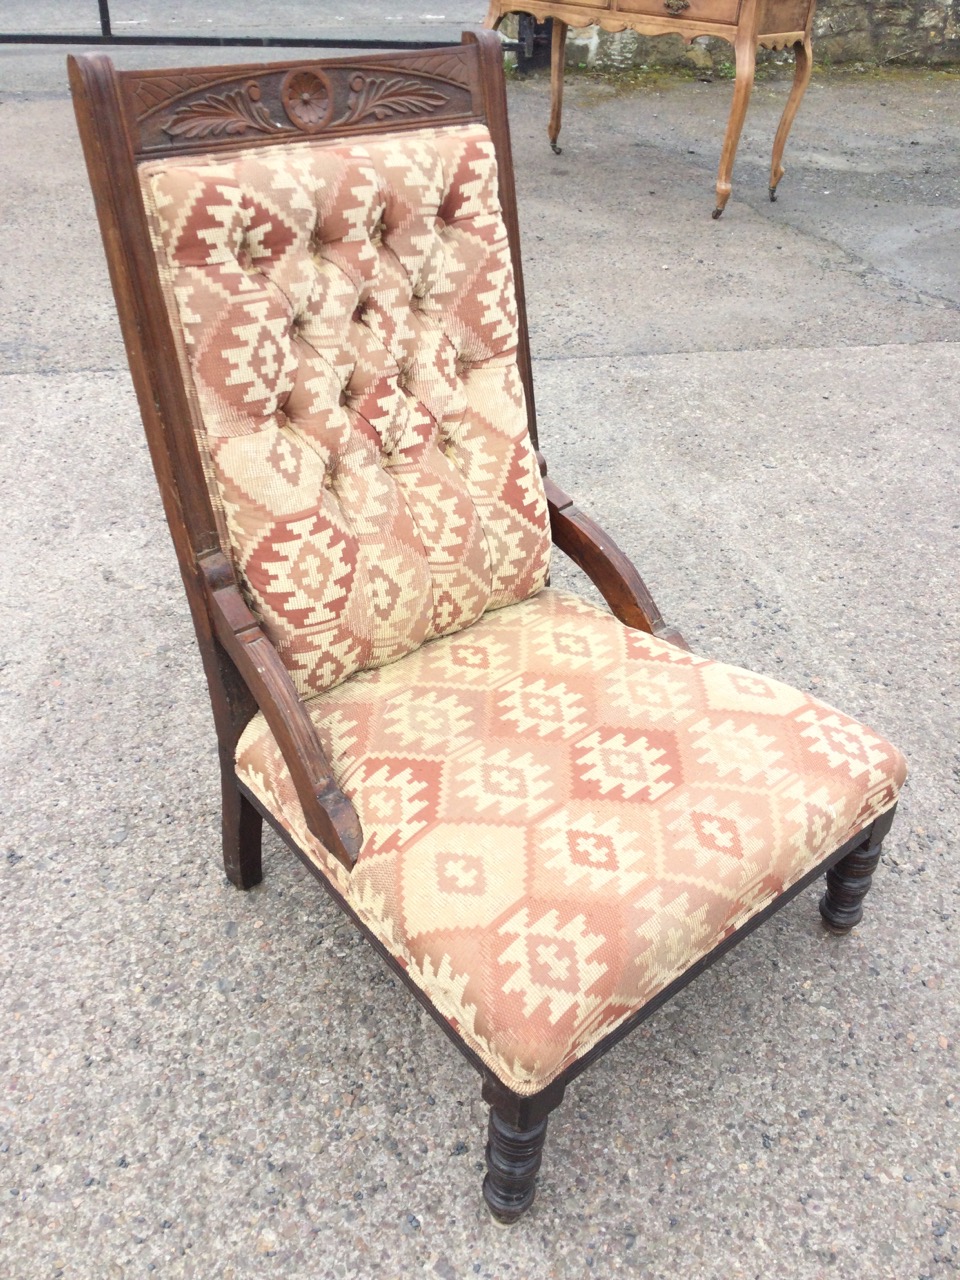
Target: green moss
(645, 78)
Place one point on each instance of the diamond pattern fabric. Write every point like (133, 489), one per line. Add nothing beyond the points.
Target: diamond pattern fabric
(349, 333)
(561, 815)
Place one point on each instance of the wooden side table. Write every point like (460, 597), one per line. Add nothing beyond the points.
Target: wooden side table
(747, 24)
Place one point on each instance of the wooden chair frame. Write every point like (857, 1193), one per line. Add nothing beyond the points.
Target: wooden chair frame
(121, 117)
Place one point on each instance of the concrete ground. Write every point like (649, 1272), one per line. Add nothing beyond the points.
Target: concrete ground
(203, 1083)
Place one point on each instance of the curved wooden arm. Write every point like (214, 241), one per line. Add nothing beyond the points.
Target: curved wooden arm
(605, 565)
(329, 814)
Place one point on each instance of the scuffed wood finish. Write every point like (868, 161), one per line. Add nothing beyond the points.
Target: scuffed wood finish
(607, 567)
(242, 825)
(329, 814)
(746, 24)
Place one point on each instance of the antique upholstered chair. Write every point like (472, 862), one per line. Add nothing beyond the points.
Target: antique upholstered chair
(547, 817)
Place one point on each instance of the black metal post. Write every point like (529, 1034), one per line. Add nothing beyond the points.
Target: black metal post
(105, 19)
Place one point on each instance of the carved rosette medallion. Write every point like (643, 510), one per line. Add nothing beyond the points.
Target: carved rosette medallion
(307, 99)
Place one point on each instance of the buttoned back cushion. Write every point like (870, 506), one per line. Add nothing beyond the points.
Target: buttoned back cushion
(350, 326)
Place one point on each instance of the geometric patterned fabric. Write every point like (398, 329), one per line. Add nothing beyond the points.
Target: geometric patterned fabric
(348, 326)
(561, 815)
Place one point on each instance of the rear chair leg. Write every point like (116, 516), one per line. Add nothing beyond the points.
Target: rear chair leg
(242, 831)
(848, 882)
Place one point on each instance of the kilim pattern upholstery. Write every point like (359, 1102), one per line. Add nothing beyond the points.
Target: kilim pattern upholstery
(547, 819)
(561, 815)
(349, 331)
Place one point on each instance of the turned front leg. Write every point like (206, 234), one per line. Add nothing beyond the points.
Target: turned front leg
(849, 880)
(513, 1161)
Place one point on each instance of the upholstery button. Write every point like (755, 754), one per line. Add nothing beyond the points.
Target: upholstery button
(403, 377)
(359, 311)
(344, 398)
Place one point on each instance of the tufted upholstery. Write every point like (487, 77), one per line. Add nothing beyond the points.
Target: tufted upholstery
(561, 815)
(349, 328)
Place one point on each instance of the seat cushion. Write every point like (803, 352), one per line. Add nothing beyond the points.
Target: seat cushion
(561, 815)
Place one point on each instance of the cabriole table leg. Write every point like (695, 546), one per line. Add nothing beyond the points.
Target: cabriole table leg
(803, 52)
(558, 46)
(745, 50)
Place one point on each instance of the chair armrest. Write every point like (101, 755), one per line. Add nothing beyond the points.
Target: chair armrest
(607, 567)
(328, 812)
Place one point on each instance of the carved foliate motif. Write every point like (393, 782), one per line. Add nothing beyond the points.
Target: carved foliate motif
(185, 111)
(377, 98)
(148, 94)
(221, 115)
(445, 66)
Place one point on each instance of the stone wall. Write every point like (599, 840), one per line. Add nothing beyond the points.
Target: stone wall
(900, 31)
(897, 32)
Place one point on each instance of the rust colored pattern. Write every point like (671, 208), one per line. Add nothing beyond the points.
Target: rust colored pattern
(349, 324)
(561, 815)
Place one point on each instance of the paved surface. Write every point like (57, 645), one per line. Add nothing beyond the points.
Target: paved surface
(202, 1083)
(323, 19)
